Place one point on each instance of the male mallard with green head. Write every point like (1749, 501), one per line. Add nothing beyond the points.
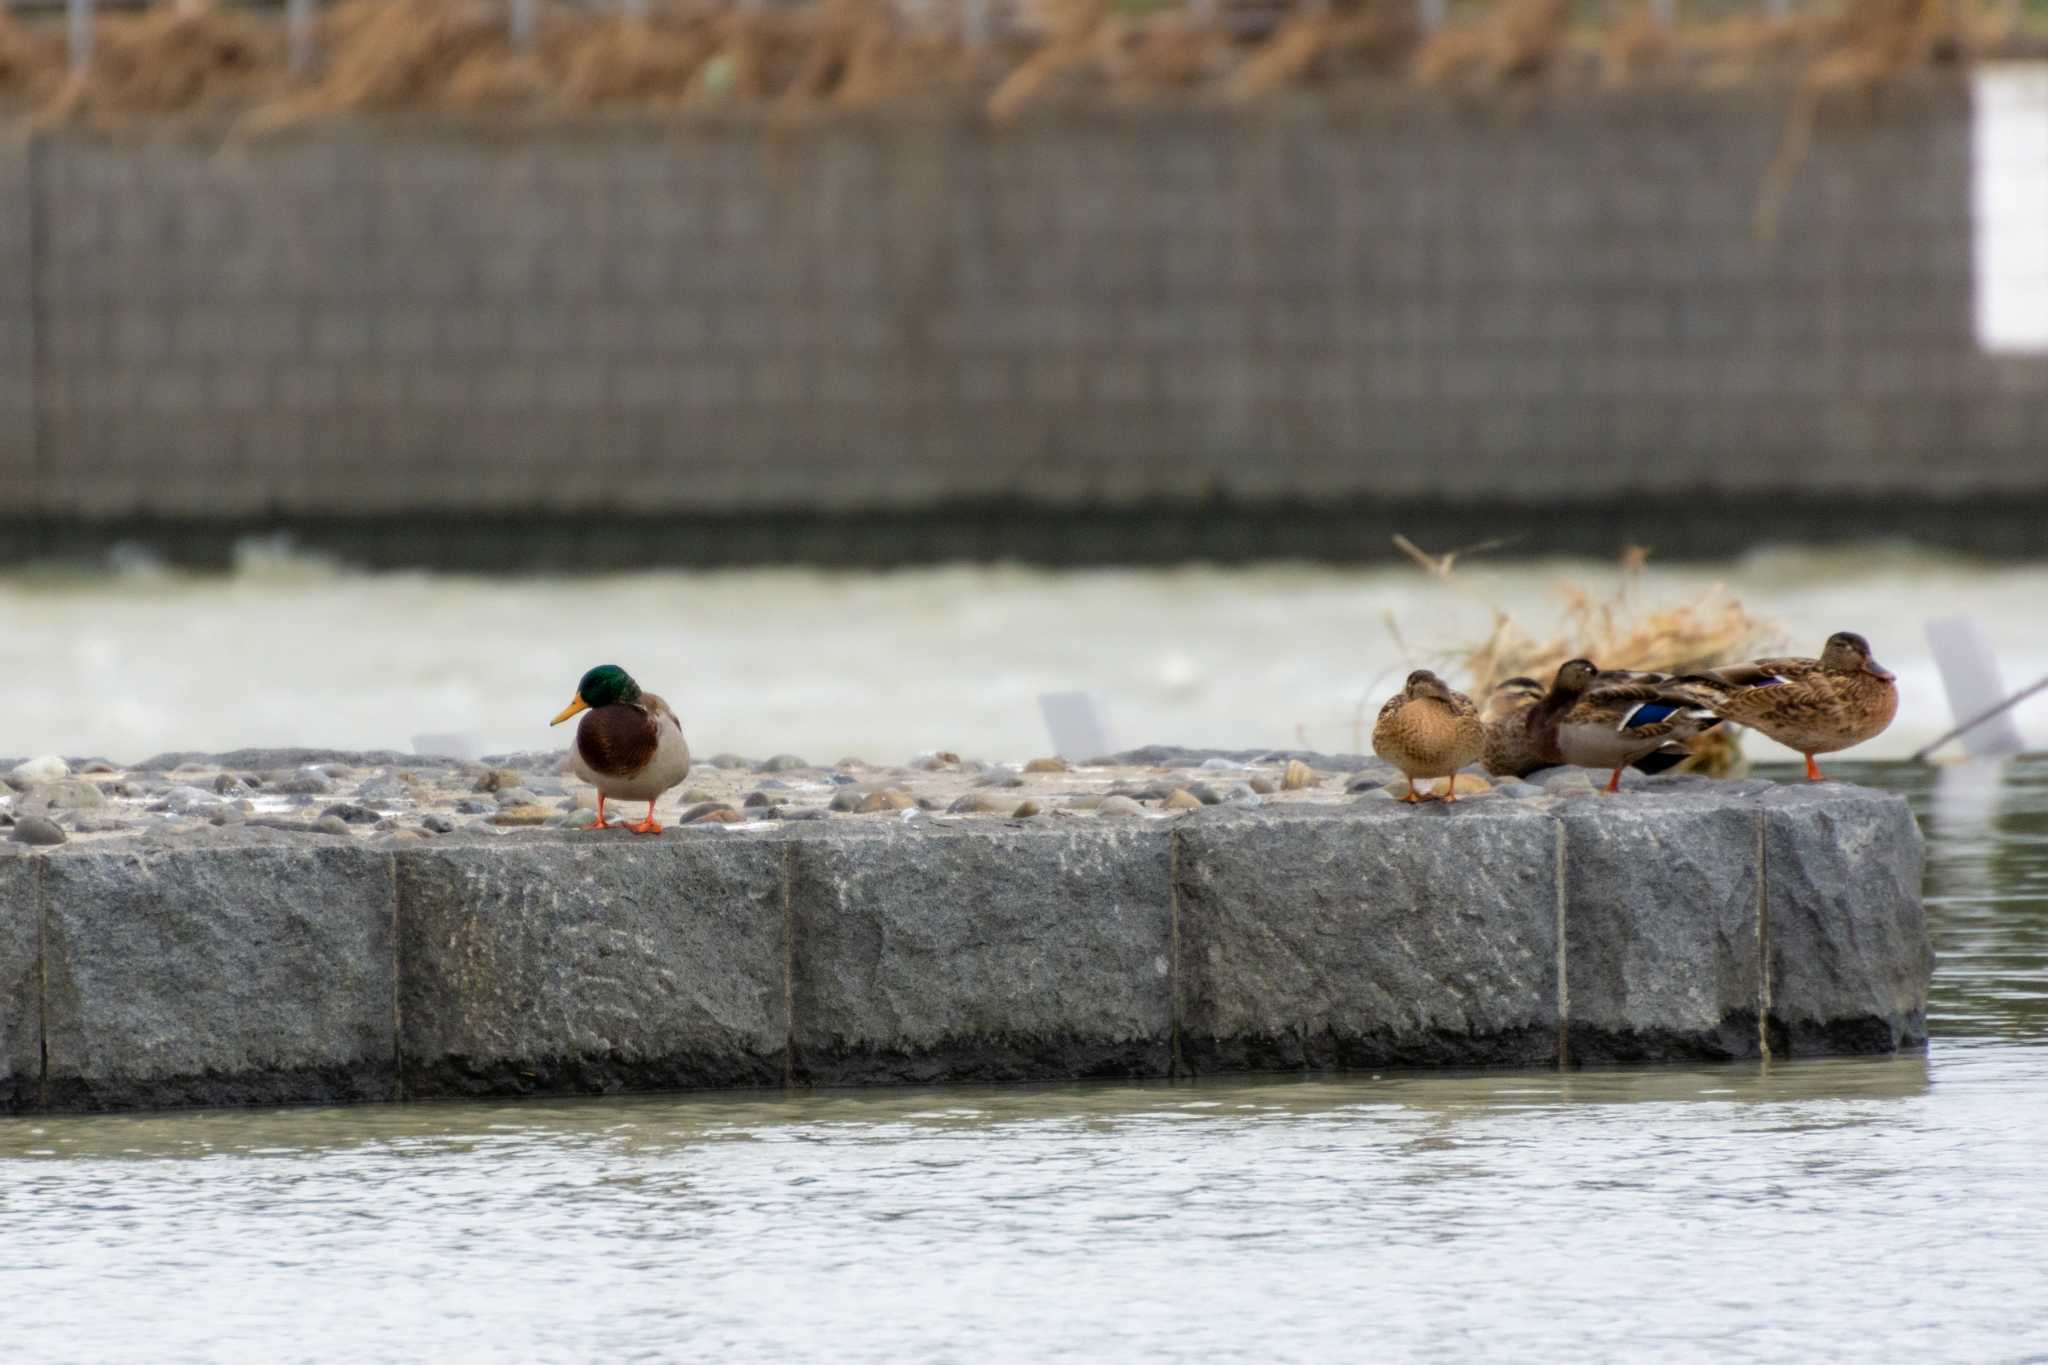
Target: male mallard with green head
(1427, 730)
(629, 744)
(1817, 706)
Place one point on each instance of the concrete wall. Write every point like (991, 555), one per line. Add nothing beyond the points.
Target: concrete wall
(1558, 306)
(1692, 920)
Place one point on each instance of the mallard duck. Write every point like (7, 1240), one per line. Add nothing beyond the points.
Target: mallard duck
(1520, 742)
(1598, 722)
(629, 744)
(1427, 730)
(1817, 706)
(1510, 744)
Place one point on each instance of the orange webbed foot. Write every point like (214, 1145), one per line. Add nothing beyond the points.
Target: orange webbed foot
(646, 826)
(600, 824)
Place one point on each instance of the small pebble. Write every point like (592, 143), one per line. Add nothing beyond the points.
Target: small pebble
(722, 816)
(703, 808)
(1054, 764)
(228, 783)
(38, 829)
(48, 768)
(436, 823)
(727, 761)
(804, 813)
(1220, 765)
(331, 824)
(226, 815)
(1183, 800)
(758, 799)
(1298, 776)
(852, 763)
(1206, 794)
(516, 796)
(496, 779)
(304, 782)
(1025, 810)
(780, 763)
(771, 784)
(399, 836)
(847, 799)
(1262, 785)
(350, 813)
(999, 780)
(975, 803)
(521, 815)
(937, 761)
(469, 807)
(887, 800)
(696, 796)
(1118, 807)
(383, 790)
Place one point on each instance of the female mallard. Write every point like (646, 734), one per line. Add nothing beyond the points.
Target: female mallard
(1817, 706)
(1427, 730)
(1510, 745)
(1600, 722)
(629, 744)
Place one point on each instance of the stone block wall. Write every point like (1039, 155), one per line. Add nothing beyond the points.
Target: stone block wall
(1550, 306)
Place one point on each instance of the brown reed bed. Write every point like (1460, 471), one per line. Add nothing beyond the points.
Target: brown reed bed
(426, 55)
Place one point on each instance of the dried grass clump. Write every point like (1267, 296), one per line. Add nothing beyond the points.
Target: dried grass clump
(1375, 37)
(31, 62)
(1616, 631)
(1517, 41)
(1707, 632)
(188, 59)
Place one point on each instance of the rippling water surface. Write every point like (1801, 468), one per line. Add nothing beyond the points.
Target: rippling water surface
(1875, 1210)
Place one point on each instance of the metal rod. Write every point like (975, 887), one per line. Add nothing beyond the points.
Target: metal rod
(81, 34)
(298, 23)
(1973, 722)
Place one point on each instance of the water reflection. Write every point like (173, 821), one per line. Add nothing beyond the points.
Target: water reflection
(1751, 1210)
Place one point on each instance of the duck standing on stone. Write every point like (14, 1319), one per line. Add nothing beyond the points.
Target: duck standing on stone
(1596, 720)
(629, 744)
(1427, 730)
(1817, 706)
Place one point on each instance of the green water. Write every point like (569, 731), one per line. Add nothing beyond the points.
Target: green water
(1874, 1209)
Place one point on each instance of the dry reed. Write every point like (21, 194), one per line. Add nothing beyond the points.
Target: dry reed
(424, 55)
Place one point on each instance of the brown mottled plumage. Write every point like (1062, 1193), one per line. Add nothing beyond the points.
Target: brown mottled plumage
(1817, 706)
(1427, 730)
(1510, 750)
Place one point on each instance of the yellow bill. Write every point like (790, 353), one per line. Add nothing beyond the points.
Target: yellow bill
(571, 709)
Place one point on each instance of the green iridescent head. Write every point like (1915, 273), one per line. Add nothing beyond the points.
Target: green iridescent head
(605, 685)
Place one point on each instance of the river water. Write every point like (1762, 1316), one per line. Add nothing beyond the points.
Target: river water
(291, 651)
(1867, 1209)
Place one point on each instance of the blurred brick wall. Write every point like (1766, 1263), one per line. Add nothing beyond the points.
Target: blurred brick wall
(1557, 302)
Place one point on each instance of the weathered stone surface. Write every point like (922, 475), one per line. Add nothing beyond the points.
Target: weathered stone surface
(21, 986)
(1849, 952)
(1662, 900)
(592, 962)
(997, 954)
(223, 975)
(1396, 937)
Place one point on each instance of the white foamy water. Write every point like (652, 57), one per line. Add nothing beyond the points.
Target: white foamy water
(882, 665)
